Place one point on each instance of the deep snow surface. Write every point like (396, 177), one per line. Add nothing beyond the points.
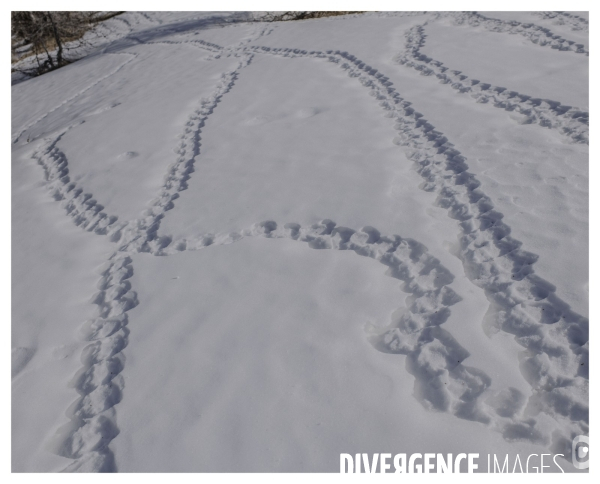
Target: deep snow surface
(189, 202)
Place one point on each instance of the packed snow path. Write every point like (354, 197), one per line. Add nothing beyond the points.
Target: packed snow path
(553, 336)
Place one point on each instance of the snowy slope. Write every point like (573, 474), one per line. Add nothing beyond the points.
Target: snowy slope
(169, 309)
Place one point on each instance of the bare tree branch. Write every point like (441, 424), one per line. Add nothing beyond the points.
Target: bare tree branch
(50, 33)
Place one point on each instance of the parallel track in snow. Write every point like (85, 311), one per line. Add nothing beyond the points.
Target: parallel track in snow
(537, 34)
(571, 122)
(554, 338)
(564, 18)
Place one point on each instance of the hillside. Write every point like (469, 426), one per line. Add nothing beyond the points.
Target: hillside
(170, 309)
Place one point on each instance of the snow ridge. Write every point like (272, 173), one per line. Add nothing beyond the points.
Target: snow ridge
(569, 121)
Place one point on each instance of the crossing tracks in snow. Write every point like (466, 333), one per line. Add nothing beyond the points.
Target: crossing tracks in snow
(554, 338)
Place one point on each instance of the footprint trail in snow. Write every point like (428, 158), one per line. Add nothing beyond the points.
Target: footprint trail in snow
(553, 337)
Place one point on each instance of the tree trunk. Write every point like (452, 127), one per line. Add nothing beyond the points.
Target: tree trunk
(59, 58)
(47, 54)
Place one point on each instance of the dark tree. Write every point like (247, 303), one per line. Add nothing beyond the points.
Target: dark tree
(50, 34)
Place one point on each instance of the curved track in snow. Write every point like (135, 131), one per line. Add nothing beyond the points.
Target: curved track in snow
(571, 122)
(554, 338)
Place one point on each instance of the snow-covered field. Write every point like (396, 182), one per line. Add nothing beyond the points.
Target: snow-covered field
(169, 309)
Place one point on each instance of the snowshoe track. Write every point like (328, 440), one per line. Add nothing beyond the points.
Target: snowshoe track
(541, 36)
(417, 333)
(564, 18)
(100, 386)
(92, 417)
(85, 211)
(569, 121)
(554, 338)
(575, 22)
